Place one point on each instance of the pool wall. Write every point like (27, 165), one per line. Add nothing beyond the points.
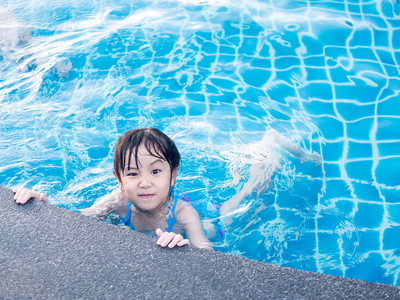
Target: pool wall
(47, 252)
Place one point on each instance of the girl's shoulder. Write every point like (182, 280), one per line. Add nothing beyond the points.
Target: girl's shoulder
(185, 212)
(183, 205)
(120, 208)
(104, 205)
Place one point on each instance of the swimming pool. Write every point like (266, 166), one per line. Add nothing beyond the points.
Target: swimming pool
(214, 75)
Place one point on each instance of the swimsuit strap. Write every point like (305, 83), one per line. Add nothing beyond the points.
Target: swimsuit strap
(172, 220)
(127, 220)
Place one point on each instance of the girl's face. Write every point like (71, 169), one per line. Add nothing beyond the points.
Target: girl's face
(147, 185)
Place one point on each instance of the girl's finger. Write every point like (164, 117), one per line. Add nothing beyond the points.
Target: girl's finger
(28, 194)
(17, 193)
(183, 243)
(20, 194)
(32, 194)
(168, 239)
(159, 232)
(175, 241)
(162, 238)
(42, 197)
(24, 197)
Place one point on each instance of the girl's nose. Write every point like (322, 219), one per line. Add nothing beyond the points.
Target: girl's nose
(145, 182)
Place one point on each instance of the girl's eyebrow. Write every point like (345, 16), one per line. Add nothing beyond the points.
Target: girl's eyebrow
(156, 161)
(136, 168)
(128, 168)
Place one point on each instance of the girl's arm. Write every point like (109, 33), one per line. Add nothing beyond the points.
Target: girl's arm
(190, 219)
(102, 206)
(187, 216)
(99, 209)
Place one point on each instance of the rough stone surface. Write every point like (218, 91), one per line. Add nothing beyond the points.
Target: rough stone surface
(47, 252)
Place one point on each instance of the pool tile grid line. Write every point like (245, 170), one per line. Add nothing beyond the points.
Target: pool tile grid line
(49, 252)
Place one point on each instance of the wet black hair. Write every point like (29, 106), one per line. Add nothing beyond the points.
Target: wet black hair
(156, 143)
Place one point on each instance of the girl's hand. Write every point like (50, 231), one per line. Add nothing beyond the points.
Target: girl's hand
(22, 195)
(170, 239)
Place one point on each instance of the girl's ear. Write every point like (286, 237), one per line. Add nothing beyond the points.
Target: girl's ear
(119, 181)
(174, 175)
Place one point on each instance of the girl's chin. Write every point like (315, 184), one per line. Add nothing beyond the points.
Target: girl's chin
(144, 209)
(148, 207)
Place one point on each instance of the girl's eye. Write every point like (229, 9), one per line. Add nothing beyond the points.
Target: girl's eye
(155, 171)
(132, 174)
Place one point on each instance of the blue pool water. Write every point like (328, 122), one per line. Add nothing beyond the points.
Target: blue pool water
(214, 75)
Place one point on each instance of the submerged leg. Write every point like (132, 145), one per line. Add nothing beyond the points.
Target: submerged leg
(294, 149)
(264, 161)
(259, 181)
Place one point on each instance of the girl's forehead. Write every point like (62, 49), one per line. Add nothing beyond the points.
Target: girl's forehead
(143, 151)
(143, 155)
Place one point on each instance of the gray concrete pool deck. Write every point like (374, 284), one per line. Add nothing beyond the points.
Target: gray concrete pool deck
(47, 252)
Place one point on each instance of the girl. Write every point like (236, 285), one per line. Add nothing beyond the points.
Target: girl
(146, 164)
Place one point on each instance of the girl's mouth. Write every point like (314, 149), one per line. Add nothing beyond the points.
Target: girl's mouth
(146, 196)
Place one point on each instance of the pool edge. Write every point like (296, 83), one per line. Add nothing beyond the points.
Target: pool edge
(50, 252)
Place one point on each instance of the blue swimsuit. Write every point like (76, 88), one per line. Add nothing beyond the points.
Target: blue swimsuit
(171, 219)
